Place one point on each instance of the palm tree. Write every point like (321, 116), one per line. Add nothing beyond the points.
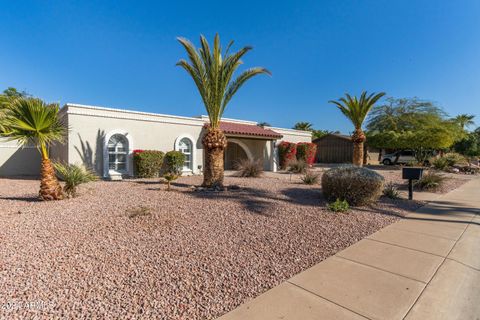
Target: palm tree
(212, 71)
(32, 121)
(305, 126)
(464, 120)
(356, 110)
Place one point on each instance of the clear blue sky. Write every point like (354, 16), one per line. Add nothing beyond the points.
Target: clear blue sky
(122, 54)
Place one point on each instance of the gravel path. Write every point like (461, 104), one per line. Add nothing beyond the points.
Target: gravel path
(132, 250)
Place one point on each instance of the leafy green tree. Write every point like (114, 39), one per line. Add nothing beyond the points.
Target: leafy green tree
(305, 126)
(412, 124)
(469, 146)
(264, 124)
(32, 121)
(212, 70)
(356, 110)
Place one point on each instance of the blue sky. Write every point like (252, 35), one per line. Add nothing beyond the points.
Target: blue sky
(122, 54)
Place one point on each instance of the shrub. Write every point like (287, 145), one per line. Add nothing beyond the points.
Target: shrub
(249, 168)
(357, 185)
(338, 206)
(73, 175)
(147, 163)
(440, 163)
(306, 151)
(310, 177)
(139, 212)
(297, 166)
(174, 161)
(454, 158)
(391, 191)
(286, 153)
(430, 181)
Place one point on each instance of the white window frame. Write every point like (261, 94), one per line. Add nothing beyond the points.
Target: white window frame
(193, 162)
(107, 172)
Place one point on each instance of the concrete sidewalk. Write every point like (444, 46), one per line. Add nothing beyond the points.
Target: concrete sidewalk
(426, 266)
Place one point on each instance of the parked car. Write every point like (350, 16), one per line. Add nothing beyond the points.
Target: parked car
(405, 156)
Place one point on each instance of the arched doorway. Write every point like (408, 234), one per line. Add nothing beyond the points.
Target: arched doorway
(233, 154)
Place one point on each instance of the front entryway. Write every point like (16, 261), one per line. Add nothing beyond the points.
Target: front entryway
(233, 154)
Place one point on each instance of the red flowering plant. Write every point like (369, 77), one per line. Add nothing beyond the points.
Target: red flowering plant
(306, 151)
(286, 152)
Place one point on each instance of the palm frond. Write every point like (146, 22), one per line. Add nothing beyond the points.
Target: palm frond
(212, 70)
(356, 109)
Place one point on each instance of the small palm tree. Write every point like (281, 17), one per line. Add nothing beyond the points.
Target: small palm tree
(212, 71)
(305, 126)
(356, 110)
(32, 121)
(465, 120)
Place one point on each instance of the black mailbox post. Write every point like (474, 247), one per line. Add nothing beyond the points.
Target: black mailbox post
(411, 173)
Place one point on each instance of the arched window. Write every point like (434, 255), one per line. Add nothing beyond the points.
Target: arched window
(185, 146)
(117, 153)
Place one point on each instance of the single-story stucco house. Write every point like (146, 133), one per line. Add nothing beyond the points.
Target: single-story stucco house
(105, 138)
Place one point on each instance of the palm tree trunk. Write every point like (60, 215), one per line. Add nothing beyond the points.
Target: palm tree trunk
(214, 143)
(50, 188)
(358, 154)
(358, 139)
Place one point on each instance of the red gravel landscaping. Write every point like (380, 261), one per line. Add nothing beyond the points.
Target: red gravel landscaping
(132, 250)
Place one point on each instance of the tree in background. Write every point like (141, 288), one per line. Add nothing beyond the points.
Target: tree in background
(305, 126)
(465, 120)
(212, 70)
(6, 98)
(356, 110)
(264, 124)
(412, 124)
(32, 121)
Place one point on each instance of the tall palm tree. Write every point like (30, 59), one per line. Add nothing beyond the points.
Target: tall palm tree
(356, 110)
(465, 120)
(32, 121)
(212, 71)
(305, 126)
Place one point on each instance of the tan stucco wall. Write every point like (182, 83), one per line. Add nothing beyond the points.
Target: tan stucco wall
(89, 130)
(17, 161)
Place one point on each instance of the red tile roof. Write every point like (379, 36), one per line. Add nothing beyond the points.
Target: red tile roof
(248, 130)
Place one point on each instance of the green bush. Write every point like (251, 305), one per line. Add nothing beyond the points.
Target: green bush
(338, 206)
(455, 158)
(357, 185)
(147, 163)
(440, 163)
(73, 175)
(391, 191)
(249, 168)
(310, 177)
(430, 181)
(174, 161)
(297, 166)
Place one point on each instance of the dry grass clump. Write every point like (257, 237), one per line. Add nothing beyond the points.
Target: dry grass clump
(249, 168)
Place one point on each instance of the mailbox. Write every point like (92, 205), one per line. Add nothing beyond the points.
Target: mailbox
(412, 173)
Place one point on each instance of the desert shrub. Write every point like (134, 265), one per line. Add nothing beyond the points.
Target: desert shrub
(73, 175)
(357, 185)
(391, 191)
(147, 163)
(430, 181)
(249, 168)
(310, 177)
(306, 151)
(174, 161)
(338, 206)
(287, 152)
(297, 166)
(453, 158)
(440, 163)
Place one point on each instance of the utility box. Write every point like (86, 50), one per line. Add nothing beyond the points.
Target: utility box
(412, 173)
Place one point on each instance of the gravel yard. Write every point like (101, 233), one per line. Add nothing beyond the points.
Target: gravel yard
(132, 250)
